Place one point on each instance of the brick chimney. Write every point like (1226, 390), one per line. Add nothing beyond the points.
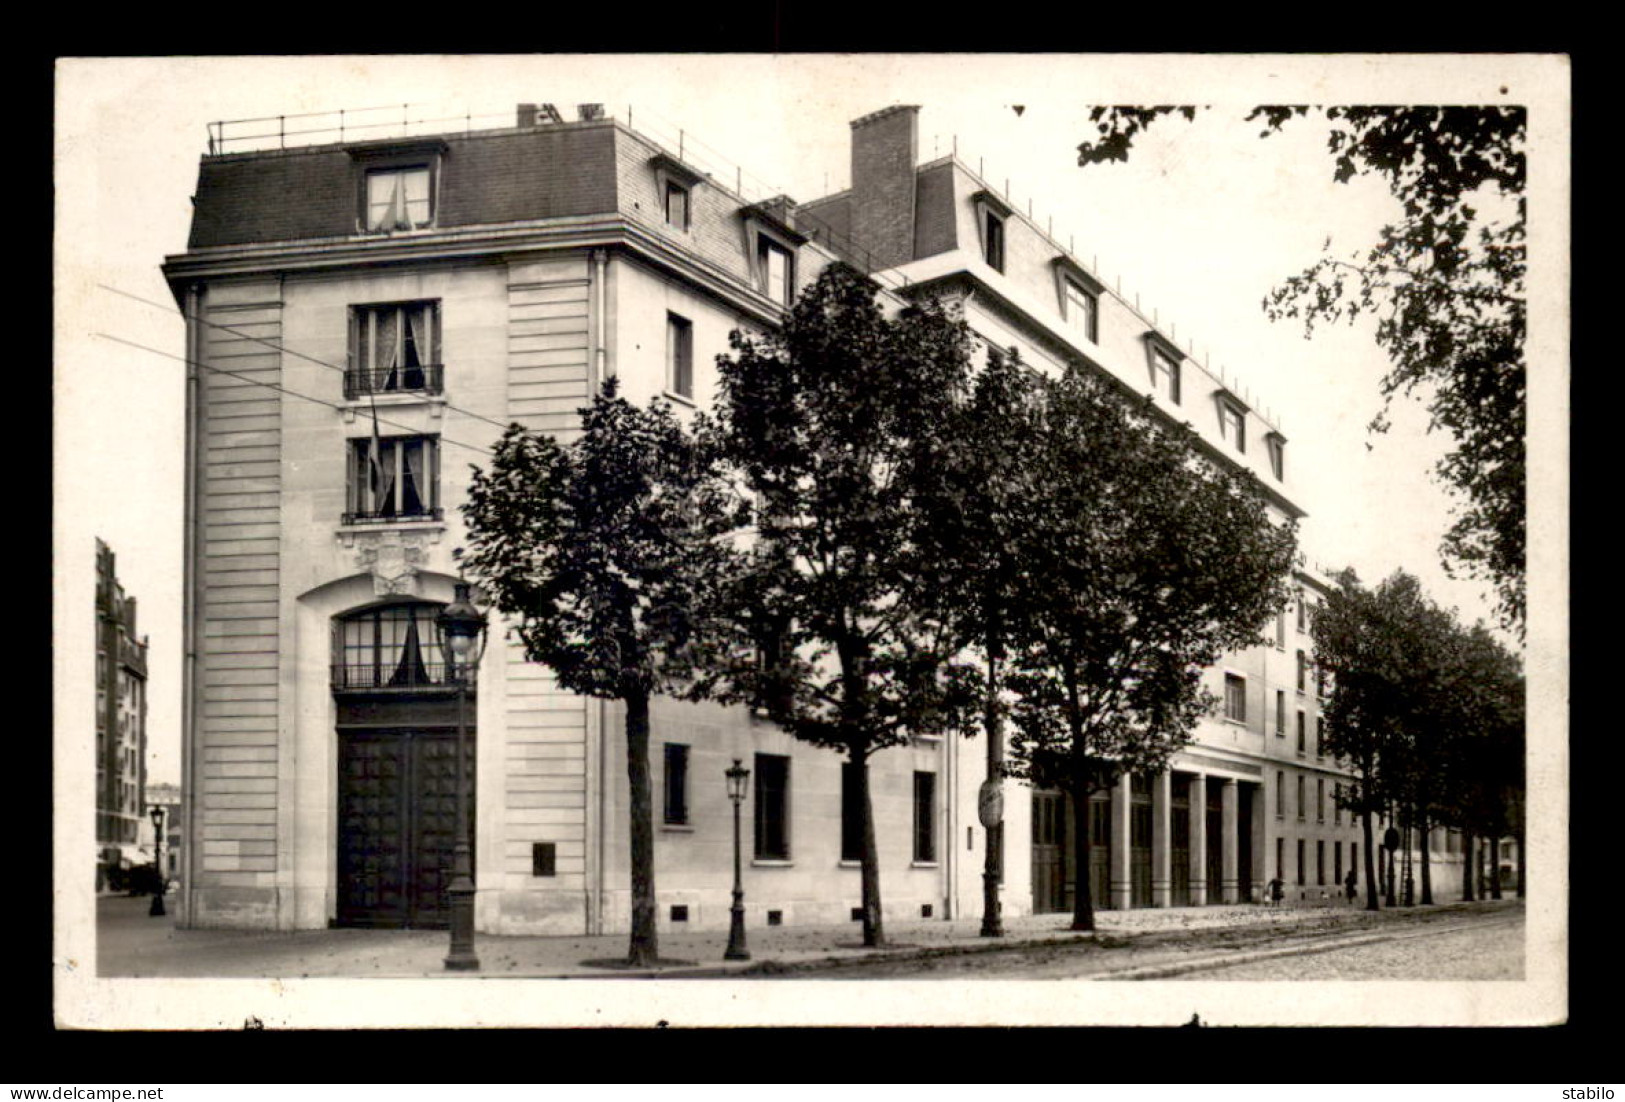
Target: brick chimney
(883, 157)
(527, 114)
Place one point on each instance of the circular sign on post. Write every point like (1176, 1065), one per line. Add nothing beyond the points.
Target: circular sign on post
(990, 802)
(1390, 840)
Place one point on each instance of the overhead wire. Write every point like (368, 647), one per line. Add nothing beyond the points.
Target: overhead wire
(279, 348)
(282, 389)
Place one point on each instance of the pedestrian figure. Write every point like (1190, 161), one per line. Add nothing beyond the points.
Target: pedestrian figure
(1348, 885)
(1277, 891)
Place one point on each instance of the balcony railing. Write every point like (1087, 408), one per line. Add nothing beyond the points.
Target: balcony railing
(427, 379)
(374, 517)
(372, 675)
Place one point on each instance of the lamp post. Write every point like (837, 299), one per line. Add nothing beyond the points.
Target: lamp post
(462, 637)
(156, 813)
(737, 776)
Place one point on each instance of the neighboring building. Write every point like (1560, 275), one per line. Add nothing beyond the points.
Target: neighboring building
(456, 283)
(121, 722)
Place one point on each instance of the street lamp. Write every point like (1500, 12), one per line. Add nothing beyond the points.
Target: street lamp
(156, 813)
(737, 778)
(462, 637)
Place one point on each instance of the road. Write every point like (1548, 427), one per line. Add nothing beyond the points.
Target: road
(1471, 951)
(1421, 944)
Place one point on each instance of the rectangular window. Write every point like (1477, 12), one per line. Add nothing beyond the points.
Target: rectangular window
(851, 814)
(1277, 457)
(1320, 800)
(1320, 861)
(394, 347)
(776, 271)
(1280, 713)
(1303, 612)
(772, 807)
(1280, 631)
(1166, 371)
(925, 816)
(1337, 805)
(680, 355)
(1302, 736)
(1337, 862)
(676, 783)
(394, 478)
(676, 205)
(1301, 808)
(1235, 698)
(1233, 425)
(1280, 792)
(1082, 311)
(398, 199)
(1303, 670)
(993, 242)
(1300, 860)
(1280, 858)
(1314, 735)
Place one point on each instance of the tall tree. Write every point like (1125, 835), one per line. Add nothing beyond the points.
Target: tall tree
(1359, 645)
(1153, 561)
(972, 514)
(608, 553)
(824, 420)
(1445, 282)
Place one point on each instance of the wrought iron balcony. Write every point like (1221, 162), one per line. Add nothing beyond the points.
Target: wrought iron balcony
(427, 379)
(371, 676)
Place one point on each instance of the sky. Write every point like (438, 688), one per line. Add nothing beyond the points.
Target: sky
(1198, 225)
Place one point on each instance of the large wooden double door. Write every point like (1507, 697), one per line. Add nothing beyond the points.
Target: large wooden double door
(397, 822)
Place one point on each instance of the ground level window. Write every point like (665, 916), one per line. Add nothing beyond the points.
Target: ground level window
(925, 816)
(676, 782)
(772, 807)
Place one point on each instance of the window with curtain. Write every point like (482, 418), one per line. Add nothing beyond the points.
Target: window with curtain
(398, 199)
(394, 347)
(388, 647)
(393, 478)
(1235, 697)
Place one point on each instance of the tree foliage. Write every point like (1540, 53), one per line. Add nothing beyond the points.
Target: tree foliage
(841, 642)
(1144, 561)
(1445, 282)
(608, 555)
(1429, 712)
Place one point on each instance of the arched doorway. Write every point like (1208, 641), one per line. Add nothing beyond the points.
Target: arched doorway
(396, 725)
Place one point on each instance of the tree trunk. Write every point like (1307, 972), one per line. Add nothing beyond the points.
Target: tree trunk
(992, 924)
(1371, 863)
(1427, 876)
(645, 946)
(874, 934)
(1083, 909)
(1495, 867)
(1468, 867)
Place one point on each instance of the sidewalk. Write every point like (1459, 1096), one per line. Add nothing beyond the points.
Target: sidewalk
(134, 944)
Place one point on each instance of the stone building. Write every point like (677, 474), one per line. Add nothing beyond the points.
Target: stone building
(406, 299)
(121, 721)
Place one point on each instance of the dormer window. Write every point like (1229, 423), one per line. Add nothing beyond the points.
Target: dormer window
(770, 244)
(675, 183)
(398, 183)
(1277, 448)
(676, 205)
(1079, 295)
(991, 212)
(1232, 419)
(1162, 359)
